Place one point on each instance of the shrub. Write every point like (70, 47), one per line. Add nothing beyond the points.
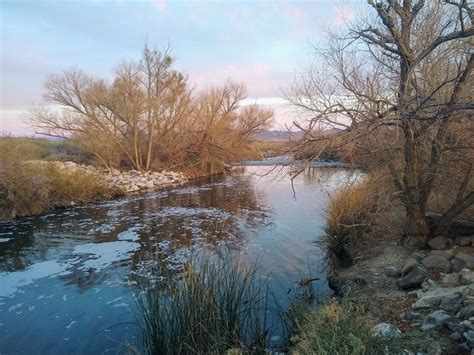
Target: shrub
(28, 188)
(338, 328)
(213, 306)
(369, 205)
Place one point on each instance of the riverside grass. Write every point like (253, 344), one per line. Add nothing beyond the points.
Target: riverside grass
(338, 328)
(212, 306)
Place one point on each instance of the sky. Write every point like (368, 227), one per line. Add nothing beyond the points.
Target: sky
(263, 44)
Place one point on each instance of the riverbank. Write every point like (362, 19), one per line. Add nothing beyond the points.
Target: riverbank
(36, 186)
(428, 295)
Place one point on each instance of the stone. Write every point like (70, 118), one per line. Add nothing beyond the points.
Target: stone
(438, 243)
(413, 279)
(434, 348)
(418, 256)
(448, 254)
(410, 263)
(386, 330)
(469, 335)
(437, 262)
(467, 277)
(410, 316)
(464, 348)
(428, 284)
(451, 280)
(434, 320)
(466, 312)
(429, 301)
(463, 241)
(456, 336)
(462, 261)
(149, 184)
(391, 271)
(452, 302)
(454, 325)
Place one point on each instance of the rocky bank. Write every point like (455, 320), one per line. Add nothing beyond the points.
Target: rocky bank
(132, 181)
(424, 298)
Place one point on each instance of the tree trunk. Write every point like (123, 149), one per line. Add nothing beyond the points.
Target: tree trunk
(416, 228)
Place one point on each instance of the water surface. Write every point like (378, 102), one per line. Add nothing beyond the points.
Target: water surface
(67, 278)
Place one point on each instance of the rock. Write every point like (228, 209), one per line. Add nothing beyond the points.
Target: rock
(452, 302)
(437, 262)
(428, 284)
(434, 348)
(462, 261)
(467, 277)
(427, 302)
(410, 263)
(454, 325)
(149, 184)
(410, 316)
(391, 271)
(413, 279)
(433, 320)
(456, 336)
(469, 335)
(438, 243)
(466, 312)
(451, 280)
(386, 330)
(448, 254)
(464, 348)
(463, 241)
(418, 255)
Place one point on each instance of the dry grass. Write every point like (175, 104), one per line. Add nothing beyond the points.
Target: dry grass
(28, 189)
(338, 328)
(367, 207)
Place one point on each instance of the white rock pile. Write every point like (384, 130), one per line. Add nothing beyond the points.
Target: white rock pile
(128, 182)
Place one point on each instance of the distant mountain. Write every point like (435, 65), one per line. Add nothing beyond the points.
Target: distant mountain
(267, 135)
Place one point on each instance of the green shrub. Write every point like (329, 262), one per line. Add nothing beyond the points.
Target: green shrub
(213, 306)
(338, 329)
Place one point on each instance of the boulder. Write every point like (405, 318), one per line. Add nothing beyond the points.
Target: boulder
(410, 263)
(386, 330)
(462, 261)
(454, 325)
(414, 278)
(149, 184)
(451, 302)
(448, 254)
(429, 301)
(466, 312)
(391, 271)
(438, 243)
(469, 335)
(433, 320)
(467, 277)
(451, 280)
(463, 241)
(437, 262)
(434, 348)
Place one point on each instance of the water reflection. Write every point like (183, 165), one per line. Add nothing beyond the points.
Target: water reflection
(67, 276)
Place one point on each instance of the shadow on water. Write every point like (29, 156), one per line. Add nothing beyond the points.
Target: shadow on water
(66, 276)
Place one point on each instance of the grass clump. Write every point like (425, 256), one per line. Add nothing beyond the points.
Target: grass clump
(367, 207)
(338, 329)
(211, 307)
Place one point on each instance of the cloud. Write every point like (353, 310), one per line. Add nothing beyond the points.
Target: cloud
(261, 79)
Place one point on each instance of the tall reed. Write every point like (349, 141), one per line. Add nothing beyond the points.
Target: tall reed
(211, 306)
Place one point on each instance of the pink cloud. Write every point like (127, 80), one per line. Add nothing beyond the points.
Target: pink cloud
(260, 78)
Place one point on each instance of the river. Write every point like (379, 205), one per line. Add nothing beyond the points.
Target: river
(67, 278)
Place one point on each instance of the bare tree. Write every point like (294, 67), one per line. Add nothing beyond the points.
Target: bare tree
(406, 70)
(148, 117)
